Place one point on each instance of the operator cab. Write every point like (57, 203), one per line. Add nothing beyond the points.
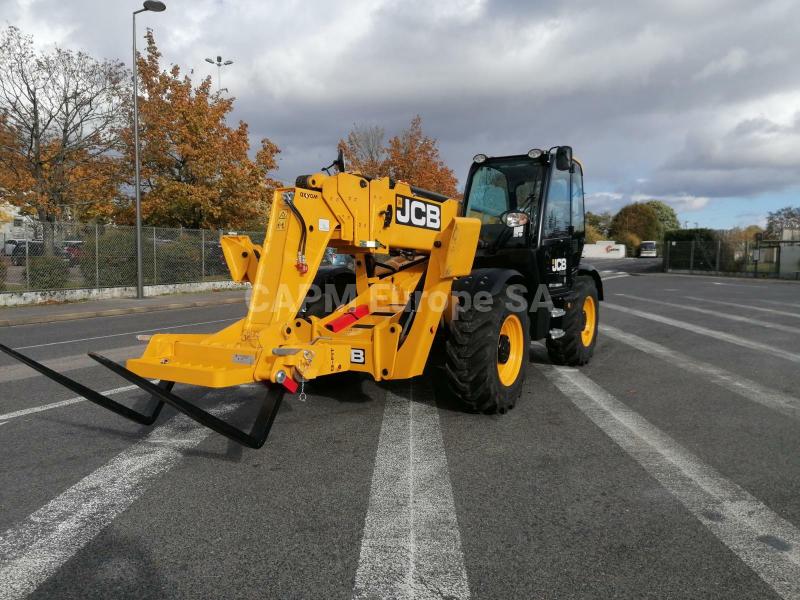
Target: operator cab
(531, 207)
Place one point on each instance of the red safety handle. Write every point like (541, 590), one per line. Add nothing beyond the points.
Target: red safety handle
(347, 319)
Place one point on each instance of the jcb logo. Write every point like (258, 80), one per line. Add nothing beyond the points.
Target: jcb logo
(418, 213)
(559, 265)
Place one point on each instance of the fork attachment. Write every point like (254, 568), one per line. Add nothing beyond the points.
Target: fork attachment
(162, 394)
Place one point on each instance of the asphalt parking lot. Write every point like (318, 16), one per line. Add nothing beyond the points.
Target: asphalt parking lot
(667, 468)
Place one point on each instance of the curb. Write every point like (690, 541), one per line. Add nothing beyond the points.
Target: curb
(113, 312)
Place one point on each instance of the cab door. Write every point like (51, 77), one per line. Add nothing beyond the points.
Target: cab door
(578, 222)
(556, 247)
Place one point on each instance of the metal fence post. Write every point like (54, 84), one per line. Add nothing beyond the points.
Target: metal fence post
(666, 257)
(155, 265)
(96, 256)
(719, 250)
(27, 263)
(691, 258)
(202, 255)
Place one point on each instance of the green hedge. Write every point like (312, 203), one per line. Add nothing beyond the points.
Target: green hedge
(687, 235)
(176, 261)
(116, 266)
(47, 273)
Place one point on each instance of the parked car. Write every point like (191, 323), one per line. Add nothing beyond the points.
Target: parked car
(34, 248)
(74, 251)
(648, 248)
(8, 247)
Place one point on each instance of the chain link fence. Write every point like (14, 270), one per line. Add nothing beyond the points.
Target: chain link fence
(62, 256)
(755, 259)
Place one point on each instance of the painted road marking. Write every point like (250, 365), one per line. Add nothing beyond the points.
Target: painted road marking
(36, 409)
(716, 313)
(64, 364)
(764, 541)
(102, 337)
(778, 303)
(719, 335)
(747, 307)
(615, 276)
(747, 388)
(36, 548)
(411, 546)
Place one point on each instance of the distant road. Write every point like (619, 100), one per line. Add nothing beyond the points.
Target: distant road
(626, 265)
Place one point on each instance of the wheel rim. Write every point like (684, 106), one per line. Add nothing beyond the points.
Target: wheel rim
(589, 321)
(510, 351)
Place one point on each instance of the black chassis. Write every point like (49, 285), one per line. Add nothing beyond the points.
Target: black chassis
(529, 265)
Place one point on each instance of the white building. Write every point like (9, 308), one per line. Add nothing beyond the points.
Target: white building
(15, 227)
(790, 234)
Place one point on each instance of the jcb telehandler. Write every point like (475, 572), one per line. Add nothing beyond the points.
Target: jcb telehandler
(487, 275)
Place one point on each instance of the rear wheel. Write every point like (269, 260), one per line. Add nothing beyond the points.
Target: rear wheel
(580, 322)
(487, 351)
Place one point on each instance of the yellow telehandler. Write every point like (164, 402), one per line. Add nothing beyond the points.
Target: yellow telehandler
(487, 275)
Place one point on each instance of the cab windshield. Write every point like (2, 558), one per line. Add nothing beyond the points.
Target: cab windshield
(501, 186)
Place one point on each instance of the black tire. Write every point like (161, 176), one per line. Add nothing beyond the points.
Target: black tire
(571, 349)
(474, 352)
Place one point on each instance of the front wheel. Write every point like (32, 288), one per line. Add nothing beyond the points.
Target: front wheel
(579, 323)
(487, 352)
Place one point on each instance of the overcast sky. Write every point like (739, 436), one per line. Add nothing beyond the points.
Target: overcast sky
(695, 102)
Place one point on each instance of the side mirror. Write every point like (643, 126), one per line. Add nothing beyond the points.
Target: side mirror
(339, 161)
(564, 158)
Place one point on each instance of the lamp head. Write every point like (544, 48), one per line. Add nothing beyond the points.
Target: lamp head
(154, 6)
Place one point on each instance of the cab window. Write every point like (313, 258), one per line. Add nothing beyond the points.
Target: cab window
(557, 211)
(488, 198)
(577, 199)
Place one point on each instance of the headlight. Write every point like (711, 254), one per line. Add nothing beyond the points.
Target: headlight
(479, 158)
(535, 153)
(515, 219)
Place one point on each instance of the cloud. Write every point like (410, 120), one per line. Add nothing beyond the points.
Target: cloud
(688, 100)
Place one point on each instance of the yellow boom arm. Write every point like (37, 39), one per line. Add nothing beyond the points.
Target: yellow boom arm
(386, 330)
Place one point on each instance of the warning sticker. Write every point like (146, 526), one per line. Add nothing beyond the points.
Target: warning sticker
(283, 216)
(324, 225)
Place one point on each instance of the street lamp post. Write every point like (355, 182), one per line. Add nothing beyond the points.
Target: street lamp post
(152, 6)
(219, 64)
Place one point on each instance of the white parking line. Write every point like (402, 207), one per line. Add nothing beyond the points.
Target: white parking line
(747, 388)
(719, 335)
(103, 337)
(717, 313)
(64, 364)
(36, 548)
(617, 276)
(778, 303)
(764, 541)
(747, 307)
(36, 409)
(411, 546)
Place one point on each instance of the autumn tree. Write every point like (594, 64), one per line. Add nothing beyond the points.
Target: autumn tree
(365, 151)
(742, 234)
(666, 214)
(411, 156)
(592, 234)
(5, 215)
(196, 171)
(414, 157)
(638, 219)
(61, 115)
(782, 219)
(599, 222)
